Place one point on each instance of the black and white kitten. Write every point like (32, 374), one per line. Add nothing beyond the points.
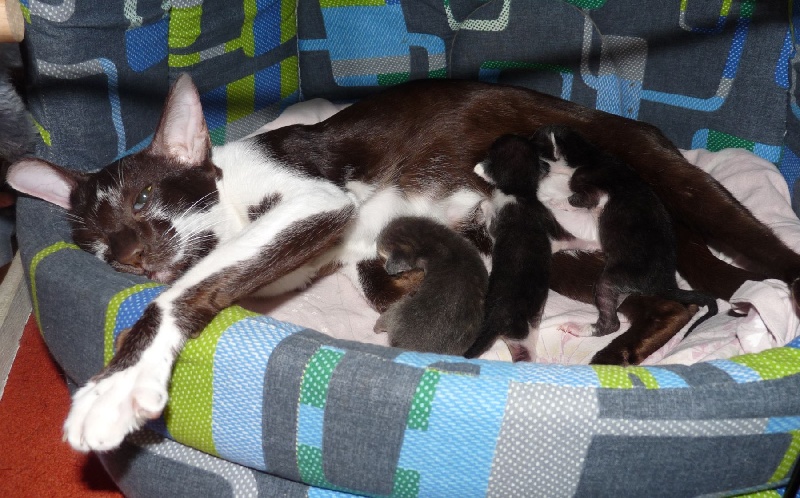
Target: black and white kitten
(634, 229)
(525, 234)
(270, 212)
(444, 314)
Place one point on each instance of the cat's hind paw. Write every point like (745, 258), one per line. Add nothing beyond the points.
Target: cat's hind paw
(104, 411)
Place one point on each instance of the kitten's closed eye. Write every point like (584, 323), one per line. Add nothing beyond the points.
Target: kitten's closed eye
(141, 200)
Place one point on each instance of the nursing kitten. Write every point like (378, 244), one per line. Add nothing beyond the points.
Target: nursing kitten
(525, 234)
(634, 228)
(444, 314)
(271, 212)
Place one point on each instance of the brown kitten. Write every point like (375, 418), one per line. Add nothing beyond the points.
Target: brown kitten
(444, 315)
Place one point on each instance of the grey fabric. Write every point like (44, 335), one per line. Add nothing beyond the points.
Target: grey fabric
(700, 374)
(361, 347)
(148, 465)
(753, 399)
(457, 367)
(365, 421)
(281, 395)
(703, 463)
(525, 462)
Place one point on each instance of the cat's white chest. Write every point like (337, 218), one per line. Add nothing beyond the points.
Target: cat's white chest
(554, 193)
(250, 176)
(378, 206)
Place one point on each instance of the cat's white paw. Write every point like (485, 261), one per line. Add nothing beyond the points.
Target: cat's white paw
(578, 329)
(105, 411)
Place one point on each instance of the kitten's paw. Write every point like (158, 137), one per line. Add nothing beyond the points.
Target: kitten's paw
(518, 352)
(602, 328)
(577, 329)
(104, 411)
(614, 355)
(380, 327)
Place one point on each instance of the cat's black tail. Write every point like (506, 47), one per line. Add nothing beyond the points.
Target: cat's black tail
(501, 320)
(693, 297)
(482, 344)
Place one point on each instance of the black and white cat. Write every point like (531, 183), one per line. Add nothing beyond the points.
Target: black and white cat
(271, 212)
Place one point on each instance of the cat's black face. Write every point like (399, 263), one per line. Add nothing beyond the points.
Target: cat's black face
(146, 215)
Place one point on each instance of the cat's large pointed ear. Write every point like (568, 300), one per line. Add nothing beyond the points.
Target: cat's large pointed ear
(44, 180)
(182, 133)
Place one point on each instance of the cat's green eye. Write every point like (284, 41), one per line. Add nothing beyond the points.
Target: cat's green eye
(144, 195)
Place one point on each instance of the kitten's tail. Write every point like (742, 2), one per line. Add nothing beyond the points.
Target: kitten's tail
(499, 322)
(486, 338)
(693, 297)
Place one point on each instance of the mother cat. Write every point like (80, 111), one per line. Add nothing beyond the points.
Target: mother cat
(272, 212)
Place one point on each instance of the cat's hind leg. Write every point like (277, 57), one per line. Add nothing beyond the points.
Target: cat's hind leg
(653, 322)
(606, 296)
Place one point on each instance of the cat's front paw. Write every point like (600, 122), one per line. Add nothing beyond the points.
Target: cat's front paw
(104, 411)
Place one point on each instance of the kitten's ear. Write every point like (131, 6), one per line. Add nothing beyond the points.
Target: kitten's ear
(182, 133)
(397, 264)
(45, 180)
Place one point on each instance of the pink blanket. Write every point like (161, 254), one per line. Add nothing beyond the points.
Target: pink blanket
(764, 315)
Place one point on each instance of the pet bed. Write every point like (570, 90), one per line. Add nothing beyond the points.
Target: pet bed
(278, 409)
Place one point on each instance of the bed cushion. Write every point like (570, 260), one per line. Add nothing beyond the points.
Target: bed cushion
(279, 398)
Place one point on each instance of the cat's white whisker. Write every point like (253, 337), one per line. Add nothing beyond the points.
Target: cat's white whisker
(200, 237)
(188, 230)
(75, 219)
(206, 196)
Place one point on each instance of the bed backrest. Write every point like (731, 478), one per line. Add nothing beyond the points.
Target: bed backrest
(710, 74)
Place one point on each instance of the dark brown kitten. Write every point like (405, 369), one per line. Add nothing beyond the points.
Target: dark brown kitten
(445, 313)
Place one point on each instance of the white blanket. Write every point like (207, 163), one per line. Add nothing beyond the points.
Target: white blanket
(764, 315)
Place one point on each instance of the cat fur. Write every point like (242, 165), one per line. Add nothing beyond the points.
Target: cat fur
(525, 233)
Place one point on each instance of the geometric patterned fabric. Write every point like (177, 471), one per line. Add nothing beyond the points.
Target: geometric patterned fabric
(710, 74)
(242, 58)
(529, 429)
(258, 406)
